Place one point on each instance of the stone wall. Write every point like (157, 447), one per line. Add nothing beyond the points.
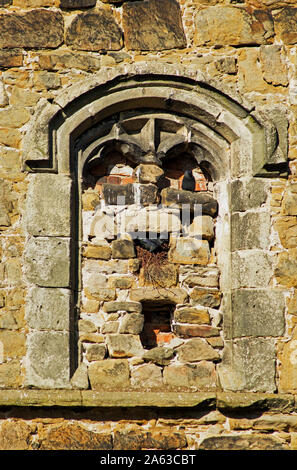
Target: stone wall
(54, 53)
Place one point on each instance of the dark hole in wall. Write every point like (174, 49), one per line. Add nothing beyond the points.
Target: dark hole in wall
(157, 324)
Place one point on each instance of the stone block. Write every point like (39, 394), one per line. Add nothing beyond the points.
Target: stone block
(99, 251)
(202, 227)
(206, 297)
(255, 313)
(287, 231)
(202, 277)
(285, 25)
(12, 344)
(121, 282)
(132, 323)
(162, 295)
(189, 250)
(149, 173)
(250, 230)
(15, 435)
(48, 205)
(200, 376)
(109, 373)
(80, 378)
(14, 116)
(11, 58)
(130, 307)
(285, 271)
(177, 198)
(288, 365)
(48, 359)
(159, 355)
(251, 269)
(38, 28)
(115, 194)
(75, 437)
(47, 261)
(219, 26)
(289, 204)
(94, 31)
(151, 25)
(120, 345)
(48, 309)
(192, 315)
(77, 3)
(110, 327)
(148, 194)
(61, 59)
(123, 249)
(95, 352)
(272, 60)
(147, 376)
(188, 331)
(247, 194)
(197, 349)
(248, 364)
(244, 442)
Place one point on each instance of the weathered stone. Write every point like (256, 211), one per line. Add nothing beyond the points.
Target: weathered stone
(110, 327)
(48, 359)
(248, 364)
(123, 249)
(48, 309)
(86, 326)
(129, 307)
(11, 58)
(288, 365)
(285, 271)
(292, 304)
(270, 4)
(192, 315)
(159, 355)
(60, 59)
(149, 173)
(285, 25)
(289, 205)
(147, 375)
(132, 323)
(177, 198)
(46, 80)
(77, 3)
(226, 65)
(73, 436)
(15, 435)
(38, 28)
(287, 231)
(148, 194)
(109, 373)
(240, 442)
(48, 206)
(202, 277)
(187, 331)
(271, 59)
(197, 349)
(94, 31)
(162, 295)
(219, 26)
(102, 293)
(235, 401)
(127, 345)
(80, 378)
(14, 116)
(202, 376)
(255, 313)
(251, 269)
(10, 137)
(13, 344)
(276, 422)
(91, 337)
(115, 194)
(250, 230)
(202, 227)
(95, 352)
(163, 275)
(247, 194)
(189, 251)
(206, 297)
(121, 282)
(100, 251)
(47, 262)
(20, 96)
(11, 374)
(250, 76)
(151, 25)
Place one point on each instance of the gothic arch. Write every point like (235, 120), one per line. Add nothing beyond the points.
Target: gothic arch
(82, 121)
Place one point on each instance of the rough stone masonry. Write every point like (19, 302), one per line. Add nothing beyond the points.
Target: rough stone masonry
(103, 107)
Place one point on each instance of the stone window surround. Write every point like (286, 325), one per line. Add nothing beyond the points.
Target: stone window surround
(245, 151)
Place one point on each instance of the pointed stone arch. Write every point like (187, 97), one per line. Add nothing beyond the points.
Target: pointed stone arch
(240, 150)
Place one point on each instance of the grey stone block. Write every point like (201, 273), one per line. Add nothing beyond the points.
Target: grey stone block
(48, 205)
(251, 268)
(248, 194)
(48, 362)
(255, 312)
(248, 364)
(48, 308)
(47, 261)
(250, 230)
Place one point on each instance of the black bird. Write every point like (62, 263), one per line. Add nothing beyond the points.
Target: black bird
(189, 182)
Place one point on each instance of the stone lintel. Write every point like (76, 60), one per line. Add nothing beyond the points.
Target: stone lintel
(285, 403)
